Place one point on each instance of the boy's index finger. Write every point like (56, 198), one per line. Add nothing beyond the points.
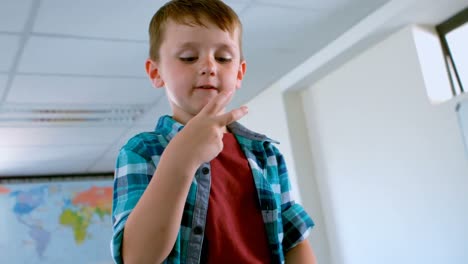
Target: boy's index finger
(233, 115)
(217, 103)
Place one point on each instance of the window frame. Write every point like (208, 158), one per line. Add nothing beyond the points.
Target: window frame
(443, 29)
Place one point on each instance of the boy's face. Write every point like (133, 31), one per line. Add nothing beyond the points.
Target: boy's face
(196, 63)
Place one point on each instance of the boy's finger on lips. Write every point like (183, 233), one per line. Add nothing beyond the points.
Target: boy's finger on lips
(217, 103)
(221, 100)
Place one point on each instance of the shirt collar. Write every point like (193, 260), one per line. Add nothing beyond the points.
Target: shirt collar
(168, 127)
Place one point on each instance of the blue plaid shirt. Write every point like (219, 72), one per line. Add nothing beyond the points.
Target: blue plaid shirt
(286, 222)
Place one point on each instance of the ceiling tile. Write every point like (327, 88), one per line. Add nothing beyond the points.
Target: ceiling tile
(315, 4)
(3, 81)
(263, 18)
(83, 57)
(77, 90)
(313, 38)
(14, 14)
(125, 19)
(275, 53)
(58, 136)
(75, 70)
(301, 27)
(8, 48)
(258, 20)
(238, 5)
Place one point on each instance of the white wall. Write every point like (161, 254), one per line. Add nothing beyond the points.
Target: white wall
(391, 167)
(306, 174)
(268, 115)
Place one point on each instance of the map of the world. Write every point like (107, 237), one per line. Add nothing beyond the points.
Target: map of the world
(59, 222)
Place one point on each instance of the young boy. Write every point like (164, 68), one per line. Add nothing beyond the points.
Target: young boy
(202, 188)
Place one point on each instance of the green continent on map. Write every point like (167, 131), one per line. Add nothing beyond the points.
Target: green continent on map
(95, 200)
(78, 221)
(102, 213)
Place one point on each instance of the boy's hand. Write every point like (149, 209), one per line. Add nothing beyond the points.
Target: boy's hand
(201, 140)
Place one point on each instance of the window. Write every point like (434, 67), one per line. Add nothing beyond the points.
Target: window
(454, 37)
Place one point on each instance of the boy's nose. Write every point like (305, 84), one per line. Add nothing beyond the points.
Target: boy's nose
(208, 67)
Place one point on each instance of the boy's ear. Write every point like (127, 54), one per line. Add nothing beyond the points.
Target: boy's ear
(153, 73)
(241, 73)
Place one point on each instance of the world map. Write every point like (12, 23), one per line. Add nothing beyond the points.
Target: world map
(63, 222)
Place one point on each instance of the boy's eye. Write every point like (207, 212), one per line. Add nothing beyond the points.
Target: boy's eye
(188, 59)
(223, 59)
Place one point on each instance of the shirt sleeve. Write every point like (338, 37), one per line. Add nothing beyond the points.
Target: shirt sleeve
(132, 175)
(297, 224)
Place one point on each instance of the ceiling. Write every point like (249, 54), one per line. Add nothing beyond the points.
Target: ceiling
(73, 88)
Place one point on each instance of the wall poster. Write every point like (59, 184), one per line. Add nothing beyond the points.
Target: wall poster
(57, 220)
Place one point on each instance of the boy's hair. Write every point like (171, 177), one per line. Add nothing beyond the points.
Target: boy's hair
(192, 12)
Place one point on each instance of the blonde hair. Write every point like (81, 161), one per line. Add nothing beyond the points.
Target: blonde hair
(192, 12)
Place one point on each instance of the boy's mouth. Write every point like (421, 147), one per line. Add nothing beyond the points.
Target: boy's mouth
(206, 87)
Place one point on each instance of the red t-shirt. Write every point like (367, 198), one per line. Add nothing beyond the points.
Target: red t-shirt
(234, 232)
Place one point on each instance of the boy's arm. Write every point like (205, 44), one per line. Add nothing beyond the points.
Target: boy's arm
(296, 222)
(151, 228)
(301, 253)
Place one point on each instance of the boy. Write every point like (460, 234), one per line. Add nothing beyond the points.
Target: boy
(202, 188)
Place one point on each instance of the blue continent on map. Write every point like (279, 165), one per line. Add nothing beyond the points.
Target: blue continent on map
(26, 202)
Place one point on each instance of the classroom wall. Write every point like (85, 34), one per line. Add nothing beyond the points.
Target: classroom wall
(391, 167)
(268, 115)
(382, 171)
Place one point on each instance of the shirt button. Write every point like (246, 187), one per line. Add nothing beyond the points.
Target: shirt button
(198, 230)
(205, 170)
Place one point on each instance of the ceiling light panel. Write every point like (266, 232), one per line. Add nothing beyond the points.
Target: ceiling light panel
(83, 57)
(58, 136)
(151, 116)
(50, 167)
(81, 90)
(8, 47)
(48, 115)
(14, 14)
(51, 153)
